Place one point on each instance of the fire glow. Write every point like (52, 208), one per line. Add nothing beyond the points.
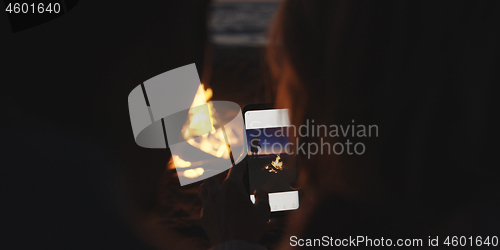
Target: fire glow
(214, 143)
(275, 166)
(193, 173)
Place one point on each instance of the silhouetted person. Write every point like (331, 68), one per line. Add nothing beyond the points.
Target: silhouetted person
(423, 72)
(255, 145)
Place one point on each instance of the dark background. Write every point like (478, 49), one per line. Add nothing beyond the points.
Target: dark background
(261, 178)
(73, 177)
(67, 81)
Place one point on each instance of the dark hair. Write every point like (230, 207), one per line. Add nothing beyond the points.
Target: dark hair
(421, 71)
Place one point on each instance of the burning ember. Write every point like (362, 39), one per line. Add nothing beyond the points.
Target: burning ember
(180, 163)
(193, 173)
(202, 119)
(275, 166)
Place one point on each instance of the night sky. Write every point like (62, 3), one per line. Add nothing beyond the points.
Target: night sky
(267, 142)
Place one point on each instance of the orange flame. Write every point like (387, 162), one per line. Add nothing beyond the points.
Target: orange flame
(201, 119)
(275, 165)
(180, 163)
(193, 173)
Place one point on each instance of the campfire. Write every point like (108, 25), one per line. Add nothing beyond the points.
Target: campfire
(213, 143)
(275, 165)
